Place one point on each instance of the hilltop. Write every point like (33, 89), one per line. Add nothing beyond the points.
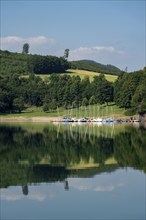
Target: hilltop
(93, 66)
(18, 63)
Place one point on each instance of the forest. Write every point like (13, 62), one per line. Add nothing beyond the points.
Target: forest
(18, 92)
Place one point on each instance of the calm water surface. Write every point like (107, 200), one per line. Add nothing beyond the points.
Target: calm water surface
(72, 171)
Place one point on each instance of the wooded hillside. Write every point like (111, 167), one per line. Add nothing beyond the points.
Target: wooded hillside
(21, 63)
(16, 63)
(91, 65)
(18, 93)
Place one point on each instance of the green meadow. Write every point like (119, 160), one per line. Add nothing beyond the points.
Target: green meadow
(89, 111)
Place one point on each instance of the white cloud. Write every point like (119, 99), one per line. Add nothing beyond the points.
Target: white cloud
(40, 40)
(11, 40)
(93, 52)
(15, 43)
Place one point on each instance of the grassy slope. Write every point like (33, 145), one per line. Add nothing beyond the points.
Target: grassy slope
(89, 111)
(81, 73)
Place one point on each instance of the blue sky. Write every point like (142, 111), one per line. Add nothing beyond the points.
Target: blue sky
(109, 32)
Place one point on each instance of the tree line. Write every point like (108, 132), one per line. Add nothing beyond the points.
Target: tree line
(17, 93)
(130, 91)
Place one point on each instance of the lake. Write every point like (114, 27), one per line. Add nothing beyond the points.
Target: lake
(72, 171)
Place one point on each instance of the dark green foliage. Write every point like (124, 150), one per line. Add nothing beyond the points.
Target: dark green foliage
(127, 89)
(13, 63)
(86, 88)
(65, 91)
(85, 102)
(18, 104)
(95, 67)
(11, 88)
(16, 63)
(66, 53)
(53, 104)
(45, 107)
(138, 101)
(130, 91)
(48, 64)
(25, 49)
(129, 148)
(17, 92)
(103, 90)
(92, 100)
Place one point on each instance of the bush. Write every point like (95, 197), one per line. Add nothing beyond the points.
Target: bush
(129, 112)
(45, 107)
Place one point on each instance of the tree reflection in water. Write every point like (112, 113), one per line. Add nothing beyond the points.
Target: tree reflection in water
(54, 153)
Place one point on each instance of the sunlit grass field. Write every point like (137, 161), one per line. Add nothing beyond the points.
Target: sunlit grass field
(84, 73)
(81, 73)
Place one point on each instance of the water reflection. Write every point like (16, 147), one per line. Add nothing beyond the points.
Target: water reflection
(54, 153)
(42, 192)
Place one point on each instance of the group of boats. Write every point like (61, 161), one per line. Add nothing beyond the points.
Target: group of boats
(100, 120)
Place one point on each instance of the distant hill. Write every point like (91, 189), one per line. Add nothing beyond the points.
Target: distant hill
(91, 65)
(17, 63)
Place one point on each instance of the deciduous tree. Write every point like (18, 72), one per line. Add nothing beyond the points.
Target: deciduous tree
(25, 49)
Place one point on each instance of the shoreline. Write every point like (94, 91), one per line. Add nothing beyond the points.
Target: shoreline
(40, 119)
(31, 119)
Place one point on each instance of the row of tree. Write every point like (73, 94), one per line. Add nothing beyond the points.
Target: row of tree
(129, 92)
(55, 91)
